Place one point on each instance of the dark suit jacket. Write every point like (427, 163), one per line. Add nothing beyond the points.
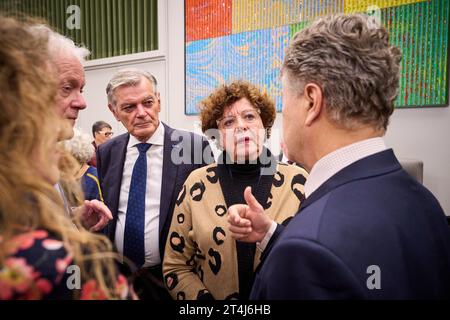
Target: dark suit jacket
(110, 163)
(371, 213)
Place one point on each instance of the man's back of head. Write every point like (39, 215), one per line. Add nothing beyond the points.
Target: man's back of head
(345, 76)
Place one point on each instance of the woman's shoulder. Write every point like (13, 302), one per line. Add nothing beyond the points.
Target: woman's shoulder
(36, 263)
(38, 266)
(291, 169)
(201, 173)
(92, 170)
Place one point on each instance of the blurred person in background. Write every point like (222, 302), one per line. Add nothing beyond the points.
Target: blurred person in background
(81, 148)
(102, 132)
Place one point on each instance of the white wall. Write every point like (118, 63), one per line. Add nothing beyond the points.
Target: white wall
(424, 134)
(413, 133)
(99, 72)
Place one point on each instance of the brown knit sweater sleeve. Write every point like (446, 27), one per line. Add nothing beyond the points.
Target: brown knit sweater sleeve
(179, 270)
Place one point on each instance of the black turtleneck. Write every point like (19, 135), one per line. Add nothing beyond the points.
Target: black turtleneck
(243, 175)
(234, 178)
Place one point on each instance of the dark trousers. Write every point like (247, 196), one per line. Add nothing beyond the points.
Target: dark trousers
(147, 282)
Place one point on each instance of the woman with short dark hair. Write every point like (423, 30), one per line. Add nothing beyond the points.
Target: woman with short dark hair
(201, 260)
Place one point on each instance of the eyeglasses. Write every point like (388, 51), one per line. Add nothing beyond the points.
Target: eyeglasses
(106, 134)
(248, 116)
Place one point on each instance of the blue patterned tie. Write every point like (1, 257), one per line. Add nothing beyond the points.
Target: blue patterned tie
(133, 246)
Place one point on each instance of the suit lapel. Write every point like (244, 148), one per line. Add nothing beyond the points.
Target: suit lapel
(114, 180)
(169, 177)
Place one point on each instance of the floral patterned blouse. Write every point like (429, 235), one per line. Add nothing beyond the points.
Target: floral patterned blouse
(39, 267)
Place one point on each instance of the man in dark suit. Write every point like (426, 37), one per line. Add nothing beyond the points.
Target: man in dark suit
(141, 173)
(367, 230)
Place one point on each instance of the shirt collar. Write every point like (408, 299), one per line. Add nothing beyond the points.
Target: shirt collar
(337, 160)
(157, 138)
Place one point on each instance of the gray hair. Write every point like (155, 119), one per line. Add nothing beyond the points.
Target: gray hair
(128, 77)
(80, 146)
(350, 58)
(58, 44)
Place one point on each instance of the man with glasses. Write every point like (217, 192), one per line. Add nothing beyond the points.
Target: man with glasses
(102, 132)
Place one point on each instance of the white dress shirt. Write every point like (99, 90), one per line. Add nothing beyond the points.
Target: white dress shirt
(328, 166)
(337, 160)
(152, 195)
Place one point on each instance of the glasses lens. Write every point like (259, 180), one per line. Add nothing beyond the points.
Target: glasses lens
(247, 116)
(106, 133)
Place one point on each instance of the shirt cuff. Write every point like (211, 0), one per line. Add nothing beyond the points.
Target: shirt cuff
(265, 241)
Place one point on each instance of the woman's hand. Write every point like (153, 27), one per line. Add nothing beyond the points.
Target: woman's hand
(248, 222)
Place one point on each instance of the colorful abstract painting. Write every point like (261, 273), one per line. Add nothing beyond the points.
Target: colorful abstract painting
(246, 39)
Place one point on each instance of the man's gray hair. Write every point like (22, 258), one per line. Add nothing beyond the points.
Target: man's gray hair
(128, 77)
(350, 58)
(58, 44)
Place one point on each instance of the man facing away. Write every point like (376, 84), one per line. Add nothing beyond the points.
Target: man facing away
(141, 173)
(367, 230)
